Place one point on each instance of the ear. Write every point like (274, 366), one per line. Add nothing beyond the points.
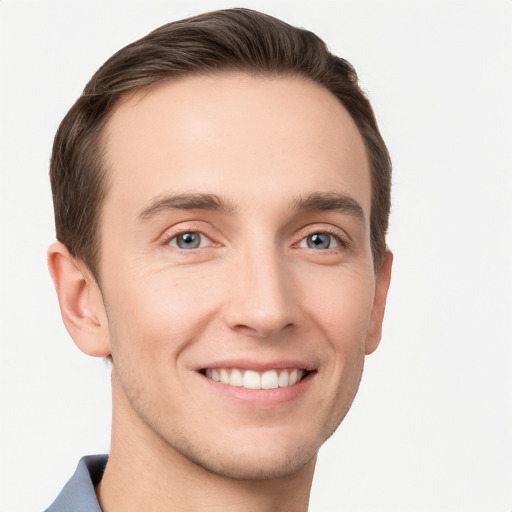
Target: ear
(80, 300)
(379, 303)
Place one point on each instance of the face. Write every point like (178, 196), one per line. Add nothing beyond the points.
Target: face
(236, 270)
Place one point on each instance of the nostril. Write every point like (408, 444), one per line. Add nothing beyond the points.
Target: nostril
(262, 331)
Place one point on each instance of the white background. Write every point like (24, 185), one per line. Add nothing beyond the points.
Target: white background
(431, 428)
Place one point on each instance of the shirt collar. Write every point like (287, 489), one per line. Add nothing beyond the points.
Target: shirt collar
(78, 494)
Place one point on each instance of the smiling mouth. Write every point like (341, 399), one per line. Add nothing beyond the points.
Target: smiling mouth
(251, 379)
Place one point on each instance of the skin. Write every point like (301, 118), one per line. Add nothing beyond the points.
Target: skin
(254, 293)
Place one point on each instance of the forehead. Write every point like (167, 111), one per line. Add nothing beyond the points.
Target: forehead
(235, 135)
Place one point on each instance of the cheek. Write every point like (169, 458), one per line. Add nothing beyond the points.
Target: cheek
(340, 307)
(341, 313)
(341, 303)
(164, 311)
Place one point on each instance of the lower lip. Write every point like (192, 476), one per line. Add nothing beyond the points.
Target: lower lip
(260, 397)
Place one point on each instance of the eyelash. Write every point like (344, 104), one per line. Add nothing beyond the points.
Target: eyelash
(340, 241)
(172, 236)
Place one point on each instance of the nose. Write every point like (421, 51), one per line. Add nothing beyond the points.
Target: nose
(261, 300)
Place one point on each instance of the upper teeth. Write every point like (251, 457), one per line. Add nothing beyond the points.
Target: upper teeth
(251, 379)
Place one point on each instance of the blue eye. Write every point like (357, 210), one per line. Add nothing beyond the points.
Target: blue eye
(320, 241)
(189, 240)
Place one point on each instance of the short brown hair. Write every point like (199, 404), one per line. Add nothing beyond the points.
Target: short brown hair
(227, 40)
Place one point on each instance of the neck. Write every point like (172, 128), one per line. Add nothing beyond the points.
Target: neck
(145, 473)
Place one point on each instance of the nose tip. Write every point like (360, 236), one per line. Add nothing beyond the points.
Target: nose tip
(261, 302)
(261, 324)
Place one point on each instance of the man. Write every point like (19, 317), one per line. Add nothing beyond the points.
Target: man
(221, 197)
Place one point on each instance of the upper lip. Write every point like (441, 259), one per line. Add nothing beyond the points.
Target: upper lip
(259, 365)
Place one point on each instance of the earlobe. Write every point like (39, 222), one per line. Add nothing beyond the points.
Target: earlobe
(80, 300)
(379, 304)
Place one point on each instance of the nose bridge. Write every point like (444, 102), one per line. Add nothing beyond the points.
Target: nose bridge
(260, 304)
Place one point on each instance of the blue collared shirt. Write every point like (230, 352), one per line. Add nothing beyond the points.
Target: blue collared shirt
(78, 494)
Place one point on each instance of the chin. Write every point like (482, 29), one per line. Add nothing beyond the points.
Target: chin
(253, 458)
(254, 467)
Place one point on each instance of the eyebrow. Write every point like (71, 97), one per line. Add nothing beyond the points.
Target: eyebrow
(331, 201)
(317, 201)
(167, 203)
